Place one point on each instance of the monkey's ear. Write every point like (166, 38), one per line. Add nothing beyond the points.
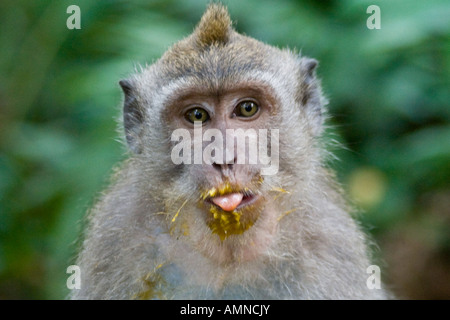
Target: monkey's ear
(310, 92)
(133, 117)
(308, 66)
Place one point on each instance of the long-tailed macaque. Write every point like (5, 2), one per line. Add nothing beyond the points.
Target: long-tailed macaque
(189, 216)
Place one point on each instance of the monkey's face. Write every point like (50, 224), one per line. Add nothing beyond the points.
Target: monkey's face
(228, 137)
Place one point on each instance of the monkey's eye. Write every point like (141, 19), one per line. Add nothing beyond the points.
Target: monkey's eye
(246, 109)
(197, 114)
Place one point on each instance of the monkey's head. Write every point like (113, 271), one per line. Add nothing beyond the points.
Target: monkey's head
(220, 126)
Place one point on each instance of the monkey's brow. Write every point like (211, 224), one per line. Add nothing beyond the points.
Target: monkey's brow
(249, 89)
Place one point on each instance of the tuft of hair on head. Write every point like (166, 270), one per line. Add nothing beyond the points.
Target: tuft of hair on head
(214, 26)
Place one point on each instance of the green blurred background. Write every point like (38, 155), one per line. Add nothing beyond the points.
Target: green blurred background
(389, 98)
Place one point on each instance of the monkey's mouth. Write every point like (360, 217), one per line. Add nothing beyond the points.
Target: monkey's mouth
(231, 211)
(233, 201)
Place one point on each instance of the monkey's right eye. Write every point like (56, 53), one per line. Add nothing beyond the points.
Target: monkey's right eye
(197, 114)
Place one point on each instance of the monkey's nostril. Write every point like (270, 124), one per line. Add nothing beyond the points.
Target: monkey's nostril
(223, 167)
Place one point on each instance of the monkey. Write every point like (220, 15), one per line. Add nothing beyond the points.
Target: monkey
(220, 229)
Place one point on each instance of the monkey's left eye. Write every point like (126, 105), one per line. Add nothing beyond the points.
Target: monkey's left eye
(197, 114)
(246, 109)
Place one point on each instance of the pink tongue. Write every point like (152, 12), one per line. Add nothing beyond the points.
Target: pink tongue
(228, 202)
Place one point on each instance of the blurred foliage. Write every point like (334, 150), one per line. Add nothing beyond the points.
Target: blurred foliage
(59, 98)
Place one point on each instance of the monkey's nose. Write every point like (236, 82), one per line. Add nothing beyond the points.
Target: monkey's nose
(224, 167)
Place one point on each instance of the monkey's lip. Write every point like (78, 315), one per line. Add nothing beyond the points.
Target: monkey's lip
(233, 201)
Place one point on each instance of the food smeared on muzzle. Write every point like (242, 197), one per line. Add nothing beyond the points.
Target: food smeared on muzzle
(226, 216)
